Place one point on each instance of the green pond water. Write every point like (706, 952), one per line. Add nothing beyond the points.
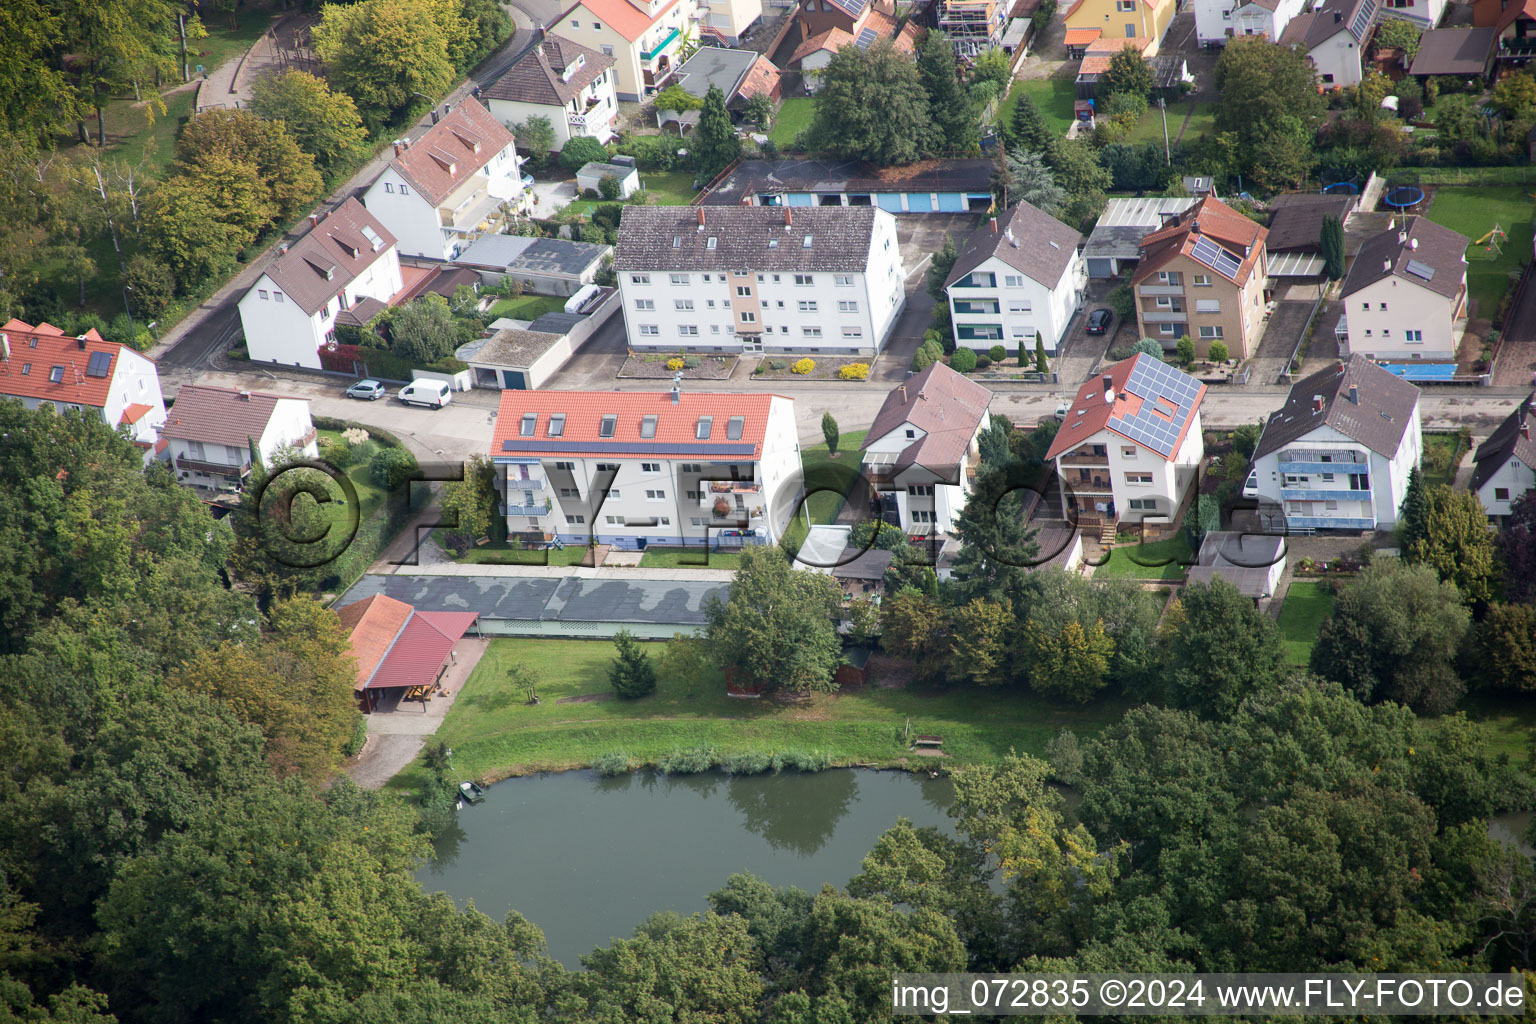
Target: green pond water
(587, 859)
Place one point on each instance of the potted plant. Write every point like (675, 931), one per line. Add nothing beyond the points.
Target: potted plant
(722, 508)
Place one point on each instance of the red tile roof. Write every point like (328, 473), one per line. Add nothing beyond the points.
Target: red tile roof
(36, 351)
(676, 427)
(452, 150)
(135, 412)
(374, 623)
(625, 18)
(421, 648)
(1217, 221)
(1081, 36)
(1089, 413)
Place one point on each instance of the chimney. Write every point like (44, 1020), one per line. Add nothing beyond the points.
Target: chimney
(1354, 394)
(903, 389)
(789, 219)
(1317, 403)
(80, 340)
(314, 219)
(676, 394)
(994, 225)
(700, 213)
(245, 396)
(435, 117)
(1194, 227)
(398, 147)
(1525, 431)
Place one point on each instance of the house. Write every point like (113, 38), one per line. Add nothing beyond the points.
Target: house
(974, 26)
(518, 356)
(1465, 53)
(401, 652)
(1010, 283)
(728, 22)
(1514, 22)
(1216, 21)
(1334, 35)
(1504, 466)
(631, 469)
(921, 452)
(1425, 14)
(757, 279)
(1142, 22)
(545, 266)
(621, 170)
(738, 74)
(645, 39)
(345, 263)
(212, 433)
(557, 78)
(451, 186)
(1405, 296)
(1130, 446)
(1294, 247)
(874, 22)
(1203, 274)
(1337, 455)
(1251, 562)
(1114, 246)
(928, 186)
(44, 368)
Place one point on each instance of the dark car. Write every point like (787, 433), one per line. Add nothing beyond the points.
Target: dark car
(1099, 321)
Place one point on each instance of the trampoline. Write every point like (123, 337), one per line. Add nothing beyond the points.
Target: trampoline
(1422, 371)
(1404, 197)
(1347, 188)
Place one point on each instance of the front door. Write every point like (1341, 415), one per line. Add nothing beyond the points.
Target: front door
(751, 344)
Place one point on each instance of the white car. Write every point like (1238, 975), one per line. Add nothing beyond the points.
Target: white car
(1251, 485)
(434, 394)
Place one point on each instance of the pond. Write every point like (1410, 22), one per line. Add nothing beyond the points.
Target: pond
(587, 858)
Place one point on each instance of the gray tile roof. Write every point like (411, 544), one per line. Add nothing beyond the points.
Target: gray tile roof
(330, 256)
(539, 598)
(948, 406)
(1386, 404)
(218, 415)
(1030, 241)
(1514, 438)
(535, 77)
(1416, 240)
(1455, 51)
(1332, 17)
(758, 238)
(1296, 224)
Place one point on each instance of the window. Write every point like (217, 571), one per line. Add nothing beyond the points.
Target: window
(277, 296)
(807, 305)
(806, 242)
(1172, 277)
(1207, 305)
(1144, 504)
(26, 369)
(650, 467)
(1129, 451)
(648, 426)
(1383, 307)
(613, 492)
(843, 280)
(575, 23)
(811, 332)
(714, 328)
(694, 496)
(389, 188)
(1327, 79)
(567, 466)
(575, 520)
(749, 318)
(1501, 494)
(733, 428)
(607, 467)
(1124, 6)
(679, 279)
(404, 191)
(1201, 280)
(1164, 302)
(711, 242)
(921, 515)
(688, 330)
(1366, 306)
(911, 433)
(56, 374)
(847, 306)
(1386, 332)
(665, 521)
(607, 49)
(1330, 506)
(655, 495)
(614, 520)
(853, 332)
(1138, 478)
(1013, 280)
(1165, 329)
(805, 280)
(709, 303)
(1210, 333)
(1414, 337)
(530, 420)
(1020, 306)
(570, 492)
(1327, 478)
(597, 26)
(639, 278)
(609, 425)
(781, 303)
(649, 330)
(744, 290)
(695, 521)
(920, 490)
(645, 303)
(261, 293)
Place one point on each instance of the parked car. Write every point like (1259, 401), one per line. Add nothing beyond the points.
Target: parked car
(1251, 485)
(1099, 321)
(434, 394)
(368, 390)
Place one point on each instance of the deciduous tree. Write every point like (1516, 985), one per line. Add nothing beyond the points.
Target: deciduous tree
(777, 625)
(325, 124)
(1516, 545)
(1218, 650)
(1270, 104)
(1128, 72)
(383, 52)
(872, 106)
(537, 136)
(285, 175)
(471, 503)
(700, 969)
(1504, 649)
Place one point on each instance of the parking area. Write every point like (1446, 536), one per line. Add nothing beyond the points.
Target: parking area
(1282, 331)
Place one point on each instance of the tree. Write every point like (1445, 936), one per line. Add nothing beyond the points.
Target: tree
(686, 659)
(777, 626)
(1504, 648)
(1076, 167)
(1128, 72)
(978, 643)
(1454, 540)
(1413, 514)
(953, 119)
(698, 969)
(675, 98)
(609, 188)
(425, 330)
(1516, 544)
(1398, 34)
(914, 626)
(1026, 179)
(631, 673)
(1041, 366)
(219, 143)
(1332, 244)
(1067, 662)
(580, 150)
(470, 504)
(938, 270)
(1185, 350)
(1027, 129)
(1271, 108)
(963, 360)
(1514, 95)
(325, 124)
(829, 430)
(715, 142)
(116, 44)
(35, 94)
(1219, 650)
(997, 547)
(151, 282)
(390, 468)
(383, 52)
(1149, 347)
(1217, 353)
(759, 110)
(185, 226)
(872, 106)
(537, 136)
(1393, 635)
(993, 66)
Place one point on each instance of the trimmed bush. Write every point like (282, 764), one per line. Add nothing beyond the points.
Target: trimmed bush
(692, 362)
(854, 371)
(615, 762)
(675, 363)
(803, 366)
(1120, 352)
(359, 737)
(1218, 353)
(963, 360)
(997, 353)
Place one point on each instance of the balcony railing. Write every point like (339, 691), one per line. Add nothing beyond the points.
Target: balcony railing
(1160, 289)
(217, 468)
(1083, 459)
(666, 41)
(1164, 316)
(526, 483)
(539, 508)
(1328, 523)
(735, 487)
(1290, 494)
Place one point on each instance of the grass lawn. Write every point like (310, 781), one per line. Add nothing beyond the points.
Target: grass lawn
(1054, 97)
(369, 494)
(669, 188)
(1442, 454)
(835, 475)
(793, 118)
(500, 553)
(494, 733)
(689, 558)
(1474, 212)
(529, 307)
(1123, 561)
(1510, 720)
(1305, 608)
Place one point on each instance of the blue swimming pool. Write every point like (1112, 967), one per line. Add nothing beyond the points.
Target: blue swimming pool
(1422, 371)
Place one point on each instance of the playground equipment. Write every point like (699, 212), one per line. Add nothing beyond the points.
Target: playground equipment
(1493, 240)
(1348, 188)
(1404, 197)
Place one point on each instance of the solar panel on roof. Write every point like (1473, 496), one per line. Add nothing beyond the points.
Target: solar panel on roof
(1362, 19)
(1150, 380)
(1418, 269)
(866, 38)
(100, 364)
(1215, 257)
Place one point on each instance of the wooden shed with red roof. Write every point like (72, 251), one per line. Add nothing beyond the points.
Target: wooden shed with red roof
(401, 653)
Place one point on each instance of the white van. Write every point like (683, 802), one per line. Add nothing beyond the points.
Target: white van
(434, 394)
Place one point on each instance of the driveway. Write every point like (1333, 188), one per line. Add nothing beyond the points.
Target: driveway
(1516, 364)
(1281, 333)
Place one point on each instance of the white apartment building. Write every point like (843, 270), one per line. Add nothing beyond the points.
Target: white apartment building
(449, 187)
(346, 263)
(921, 452)
(1504, 466)
(1337, 455)
(644, 38)
(759, 279)
(47, 369)
(1334, 35)
(211, 432)
(571, 84)
(632, 469)
(1405, 296)
(1216, 21)
(1010, 282)
(1131, 445)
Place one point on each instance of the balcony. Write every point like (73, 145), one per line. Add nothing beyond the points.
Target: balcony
(538, 508)
(1164, 316)
(1082, 458)
(1093, 485)
(734, 487)
(1287, 494)
(479, 214)
(1160, 289)
(1328, 523)
(666, 41)
(238, 472)
(532, 483)
(1314, 468)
